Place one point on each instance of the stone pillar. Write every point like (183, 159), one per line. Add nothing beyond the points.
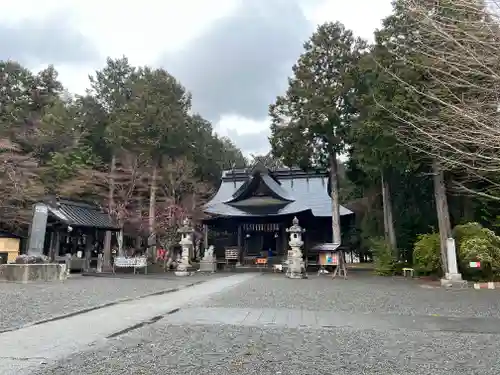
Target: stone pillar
(296, 268)
(184, 267)
(452, 273)
(38, 228)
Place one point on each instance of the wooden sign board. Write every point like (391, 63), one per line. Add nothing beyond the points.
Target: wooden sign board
(328, 258)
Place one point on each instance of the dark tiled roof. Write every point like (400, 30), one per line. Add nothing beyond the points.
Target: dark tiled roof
(274, 187)
(4, 234)
(79, 214)
(277, 188)
(308, 191)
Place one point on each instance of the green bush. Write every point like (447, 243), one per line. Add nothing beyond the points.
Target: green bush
(475, 243)
(427, 254)
(383, 257)
(464, 231)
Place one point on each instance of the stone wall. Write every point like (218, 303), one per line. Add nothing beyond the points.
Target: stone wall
(26, 273)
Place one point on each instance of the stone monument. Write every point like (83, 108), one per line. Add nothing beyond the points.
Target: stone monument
(184, 267)
(34, 266)
(296, 268)
(209, 262)
(452, 276)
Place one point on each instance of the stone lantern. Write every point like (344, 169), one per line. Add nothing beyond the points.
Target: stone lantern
(186, 242)
(296, 268)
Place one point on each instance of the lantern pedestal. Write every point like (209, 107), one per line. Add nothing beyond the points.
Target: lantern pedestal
(296, 268)
(184, 267)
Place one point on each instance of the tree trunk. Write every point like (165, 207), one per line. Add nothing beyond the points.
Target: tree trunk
(389, 231)
(442, 211)
(152, 211)
(111, 195)
(334, 187)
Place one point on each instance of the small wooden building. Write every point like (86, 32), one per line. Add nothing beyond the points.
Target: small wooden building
(10, 246)
(75, 227)
(253, 208)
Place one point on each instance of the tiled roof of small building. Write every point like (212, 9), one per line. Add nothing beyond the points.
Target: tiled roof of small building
(80, 214)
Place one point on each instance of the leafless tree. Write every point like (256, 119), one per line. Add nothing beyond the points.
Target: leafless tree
(20, 185)
(454, 119)
(128, 178)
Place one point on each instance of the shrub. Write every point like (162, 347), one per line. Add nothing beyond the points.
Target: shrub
(464, 231)
(475, 243)
(427, 254)
(383, 255)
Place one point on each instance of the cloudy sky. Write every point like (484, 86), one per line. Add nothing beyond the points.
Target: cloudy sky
(233, 55)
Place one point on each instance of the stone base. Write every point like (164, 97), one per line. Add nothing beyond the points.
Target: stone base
(453, 280)
(182, 273)
(296, 267)
(453, 276)
(207, 266)
(184, 270)
(296, 276)
(27, 273)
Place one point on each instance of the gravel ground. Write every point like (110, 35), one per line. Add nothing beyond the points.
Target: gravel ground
(360, 293)
(27, 303)
(221, 350)
(163, 348)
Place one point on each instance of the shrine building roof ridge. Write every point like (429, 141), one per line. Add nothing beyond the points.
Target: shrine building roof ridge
(294, 191)
(242, 174)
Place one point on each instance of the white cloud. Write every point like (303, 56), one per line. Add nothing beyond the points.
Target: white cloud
(145, 30)
(249, 135)
(361, 16)
(243, 125)
(140, 30)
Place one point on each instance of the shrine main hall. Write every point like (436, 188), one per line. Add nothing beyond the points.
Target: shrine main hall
(252, 209)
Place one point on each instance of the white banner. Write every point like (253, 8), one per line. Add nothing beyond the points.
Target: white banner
(131, 262)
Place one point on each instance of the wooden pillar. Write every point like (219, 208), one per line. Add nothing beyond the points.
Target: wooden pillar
(73, 243)
(240, 249)
(306, 248)
(89, 239)
(57, 243)
(205, 237)
(285, 240)
(52, 246)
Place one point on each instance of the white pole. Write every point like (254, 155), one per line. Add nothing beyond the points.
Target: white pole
(452, 273)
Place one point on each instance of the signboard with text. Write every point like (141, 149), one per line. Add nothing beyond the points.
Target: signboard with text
(328, 258)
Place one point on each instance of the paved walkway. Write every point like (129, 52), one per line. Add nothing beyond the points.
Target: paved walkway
(295, 318)
(27, 347)
(23, 304)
